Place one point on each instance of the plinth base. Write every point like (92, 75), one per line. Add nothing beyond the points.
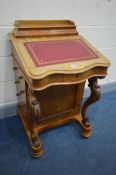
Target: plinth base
(46, 124)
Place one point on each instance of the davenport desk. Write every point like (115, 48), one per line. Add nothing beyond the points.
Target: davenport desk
(52, 62)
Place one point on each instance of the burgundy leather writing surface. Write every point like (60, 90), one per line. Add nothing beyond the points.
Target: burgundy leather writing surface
(55, 52)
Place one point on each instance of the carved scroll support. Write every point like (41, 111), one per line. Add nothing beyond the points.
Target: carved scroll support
(94, 96)
(34, 105)
(34, 115)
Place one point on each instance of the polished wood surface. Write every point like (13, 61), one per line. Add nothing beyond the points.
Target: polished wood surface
(52, 95)
(36, 28)
(24, 60)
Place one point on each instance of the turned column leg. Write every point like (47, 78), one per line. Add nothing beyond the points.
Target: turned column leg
(34, 115)
(94, 96)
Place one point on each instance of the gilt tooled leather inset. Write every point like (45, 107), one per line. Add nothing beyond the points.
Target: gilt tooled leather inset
(55, 52)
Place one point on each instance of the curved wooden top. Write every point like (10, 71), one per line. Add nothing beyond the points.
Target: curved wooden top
(75, 66)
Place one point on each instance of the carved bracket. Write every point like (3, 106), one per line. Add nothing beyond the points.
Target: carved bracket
(94, 96)
(34, 106)
(35, 140)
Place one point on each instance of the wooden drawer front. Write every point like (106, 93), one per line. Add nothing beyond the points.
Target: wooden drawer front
(20, 85)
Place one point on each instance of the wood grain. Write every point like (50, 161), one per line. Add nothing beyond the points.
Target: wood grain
(50, 96)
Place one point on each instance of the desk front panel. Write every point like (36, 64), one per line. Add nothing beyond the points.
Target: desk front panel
(62, 99)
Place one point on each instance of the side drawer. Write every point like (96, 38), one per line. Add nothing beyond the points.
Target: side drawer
(20, 84)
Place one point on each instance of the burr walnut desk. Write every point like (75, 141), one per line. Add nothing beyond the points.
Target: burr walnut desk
(52, 63)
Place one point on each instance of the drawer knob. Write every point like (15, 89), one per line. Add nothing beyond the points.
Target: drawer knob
(15, 68)
(18, 94)
(16, 82)
(21, 92)
(21, 77)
